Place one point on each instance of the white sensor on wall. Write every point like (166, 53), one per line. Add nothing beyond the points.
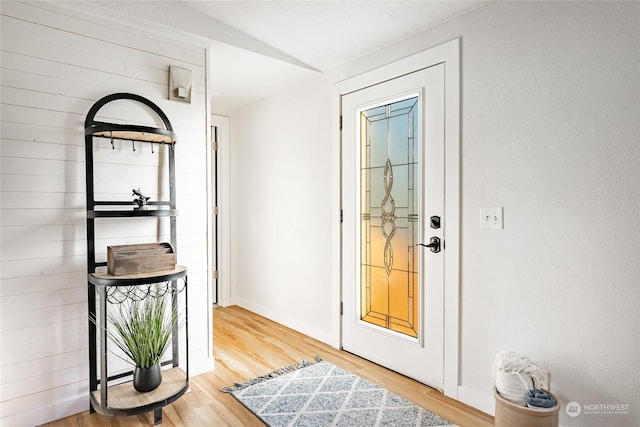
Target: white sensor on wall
(491, 218)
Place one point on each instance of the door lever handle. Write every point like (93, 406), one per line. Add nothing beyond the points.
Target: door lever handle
(434, 244)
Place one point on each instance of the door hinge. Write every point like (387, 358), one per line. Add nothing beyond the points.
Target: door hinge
(214, 138)
(340, 122)
(216, 274)
(216, 210)
(341, 216)
(341, 308)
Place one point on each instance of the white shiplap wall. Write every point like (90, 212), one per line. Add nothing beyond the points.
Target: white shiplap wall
(55, 64)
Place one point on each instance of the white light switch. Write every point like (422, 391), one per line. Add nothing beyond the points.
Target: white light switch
(491, 218)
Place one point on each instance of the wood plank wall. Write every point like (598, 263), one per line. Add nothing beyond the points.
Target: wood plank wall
(55, 64)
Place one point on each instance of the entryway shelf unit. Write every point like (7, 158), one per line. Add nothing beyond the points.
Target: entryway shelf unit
(112, 393)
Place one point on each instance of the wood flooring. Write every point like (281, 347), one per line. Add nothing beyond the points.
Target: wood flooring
(247, 345)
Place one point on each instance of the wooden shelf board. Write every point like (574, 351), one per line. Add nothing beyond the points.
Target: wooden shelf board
(124, 397)
(105, 278)
(136, 136)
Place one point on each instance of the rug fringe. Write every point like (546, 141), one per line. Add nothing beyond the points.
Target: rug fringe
(273, 374)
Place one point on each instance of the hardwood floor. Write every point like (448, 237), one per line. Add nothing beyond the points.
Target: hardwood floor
(247, 345)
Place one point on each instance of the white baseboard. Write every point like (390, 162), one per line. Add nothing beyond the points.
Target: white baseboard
(42, 415)
(200, 363)
(482, 401)
(326, 337)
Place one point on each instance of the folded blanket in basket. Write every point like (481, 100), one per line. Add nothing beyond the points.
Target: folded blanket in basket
(540, 399)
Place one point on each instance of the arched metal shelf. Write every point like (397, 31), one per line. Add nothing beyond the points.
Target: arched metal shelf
(108, 394)
(128, 131)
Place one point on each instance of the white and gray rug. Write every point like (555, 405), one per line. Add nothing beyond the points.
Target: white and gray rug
(321, 394)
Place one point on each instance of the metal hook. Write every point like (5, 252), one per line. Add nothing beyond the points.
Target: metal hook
(113, 147)
(133, 144)
(152, 148)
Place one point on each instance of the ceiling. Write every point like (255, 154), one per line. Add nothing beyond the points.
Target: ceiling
(262, 47)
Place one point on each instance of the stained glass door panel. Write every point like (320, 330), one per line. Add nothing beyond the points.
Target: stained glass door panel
(389, 210)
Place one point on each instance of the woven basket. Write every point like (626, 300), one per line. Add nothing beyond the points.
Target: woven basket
(513, 387)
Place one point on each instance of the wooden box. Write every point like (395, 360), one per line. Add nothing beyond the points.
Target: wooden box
(140, 258)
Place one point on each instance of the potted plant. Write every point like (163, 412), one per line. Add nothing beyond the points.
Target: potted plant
(143, 330)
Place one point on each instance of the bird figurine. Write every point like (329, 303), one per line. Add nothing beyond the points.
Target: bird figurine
(141, 200)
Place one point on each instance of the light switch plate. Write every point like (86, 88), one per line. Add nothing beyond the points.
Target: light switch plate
(491, 218)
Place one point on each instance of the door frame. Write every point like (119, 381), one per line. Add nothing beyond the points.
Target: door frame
(447, 53)
(223, 217)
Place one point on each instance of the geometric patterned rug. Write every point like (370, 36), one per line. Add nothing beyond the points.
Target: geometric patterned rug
(321, 394)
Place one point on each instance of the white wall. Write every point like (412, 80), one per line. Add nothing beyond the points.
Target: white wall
(550, 107)
(281, 209)
(55, 65)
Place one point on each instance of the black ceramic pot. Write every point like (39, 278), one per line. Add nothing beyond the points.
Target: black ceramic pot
(147, 379)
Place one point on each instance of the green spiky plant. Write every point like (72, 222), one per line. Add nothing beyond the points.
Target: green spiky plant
(142, 330)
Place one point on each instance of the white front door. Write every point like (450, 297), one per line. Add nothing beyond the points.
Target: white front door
(393, 147)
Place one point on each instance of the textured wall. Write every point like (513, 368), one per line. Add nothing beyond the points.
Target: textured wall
(550, 106)
(282, 209)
